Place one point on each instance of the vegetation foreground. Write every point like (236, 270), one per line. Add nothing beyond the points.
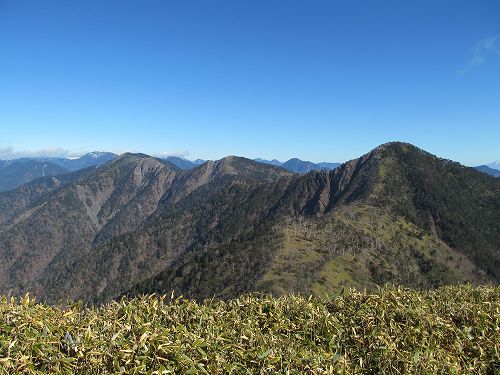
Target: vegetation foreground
(449, 330)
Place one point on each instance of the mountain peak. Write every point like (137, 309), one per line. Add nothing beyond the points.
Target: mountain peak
(97, 154)
(232, 164)
(398, 150)
(396, 145)
(134, 155)
(300, 166)
(494, 165)
(243, 167)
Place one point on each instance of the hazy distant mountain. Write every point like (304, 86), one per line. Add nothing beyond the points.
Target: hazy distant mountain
(328, 166)
(300, 166)
(274, 162)
(139, 224)
(488, 170)
(494, 165)
(184, 163)
(91, 159)
(18, 172)
(180, 162)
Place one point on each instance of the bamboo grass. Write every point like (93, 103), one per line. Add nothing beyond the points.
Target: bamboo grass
(450, 330)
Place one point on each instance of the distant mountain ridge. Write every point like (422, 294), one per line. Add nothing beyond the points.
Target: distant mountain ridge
(293, 165)
(488, 170)
(274, 162)
(140, 224)
(494, 165)
(300, 166)
(183, 163)
(19, 172)
(16, 176)
(90, 159)
(16, 172)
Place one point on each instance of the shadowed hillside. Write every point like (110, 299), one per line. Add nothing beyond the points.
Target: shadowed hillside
(19, 172)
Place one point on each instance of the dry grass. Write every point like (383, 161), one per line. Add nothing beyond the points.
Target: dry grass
(448, 330)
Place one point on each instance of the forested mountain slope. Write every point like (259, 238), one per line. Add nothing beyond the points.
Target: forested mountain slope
(140, 225)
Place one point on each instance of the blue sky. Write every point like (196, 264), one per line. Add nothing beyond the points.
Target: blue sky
(318, 80)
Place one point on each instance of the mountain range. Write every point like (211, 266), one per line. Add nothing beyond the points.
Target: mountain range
(139, 224)
(300, 166)
(292, 165)
(494, 165)
(16, 172)
(27, 169)
(90, 159)
(184, 163)
(489, 170)
(19, 172)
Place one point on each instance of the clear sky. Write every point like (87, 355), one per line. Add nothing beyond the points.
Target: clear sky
(318, 80)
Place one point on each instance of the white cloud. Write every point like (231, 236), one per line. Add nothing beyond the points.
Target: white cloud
(180, 154)
(8, 152)
(483, 50)
(5, 150)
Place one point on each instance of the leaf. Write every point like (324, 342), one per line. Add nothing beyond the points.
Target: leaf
(265, 354)
(416, 357)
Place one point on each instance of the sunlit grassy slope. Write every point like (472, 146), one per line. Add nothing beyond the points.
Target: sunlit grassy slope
(448, 330)
(362, 246)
